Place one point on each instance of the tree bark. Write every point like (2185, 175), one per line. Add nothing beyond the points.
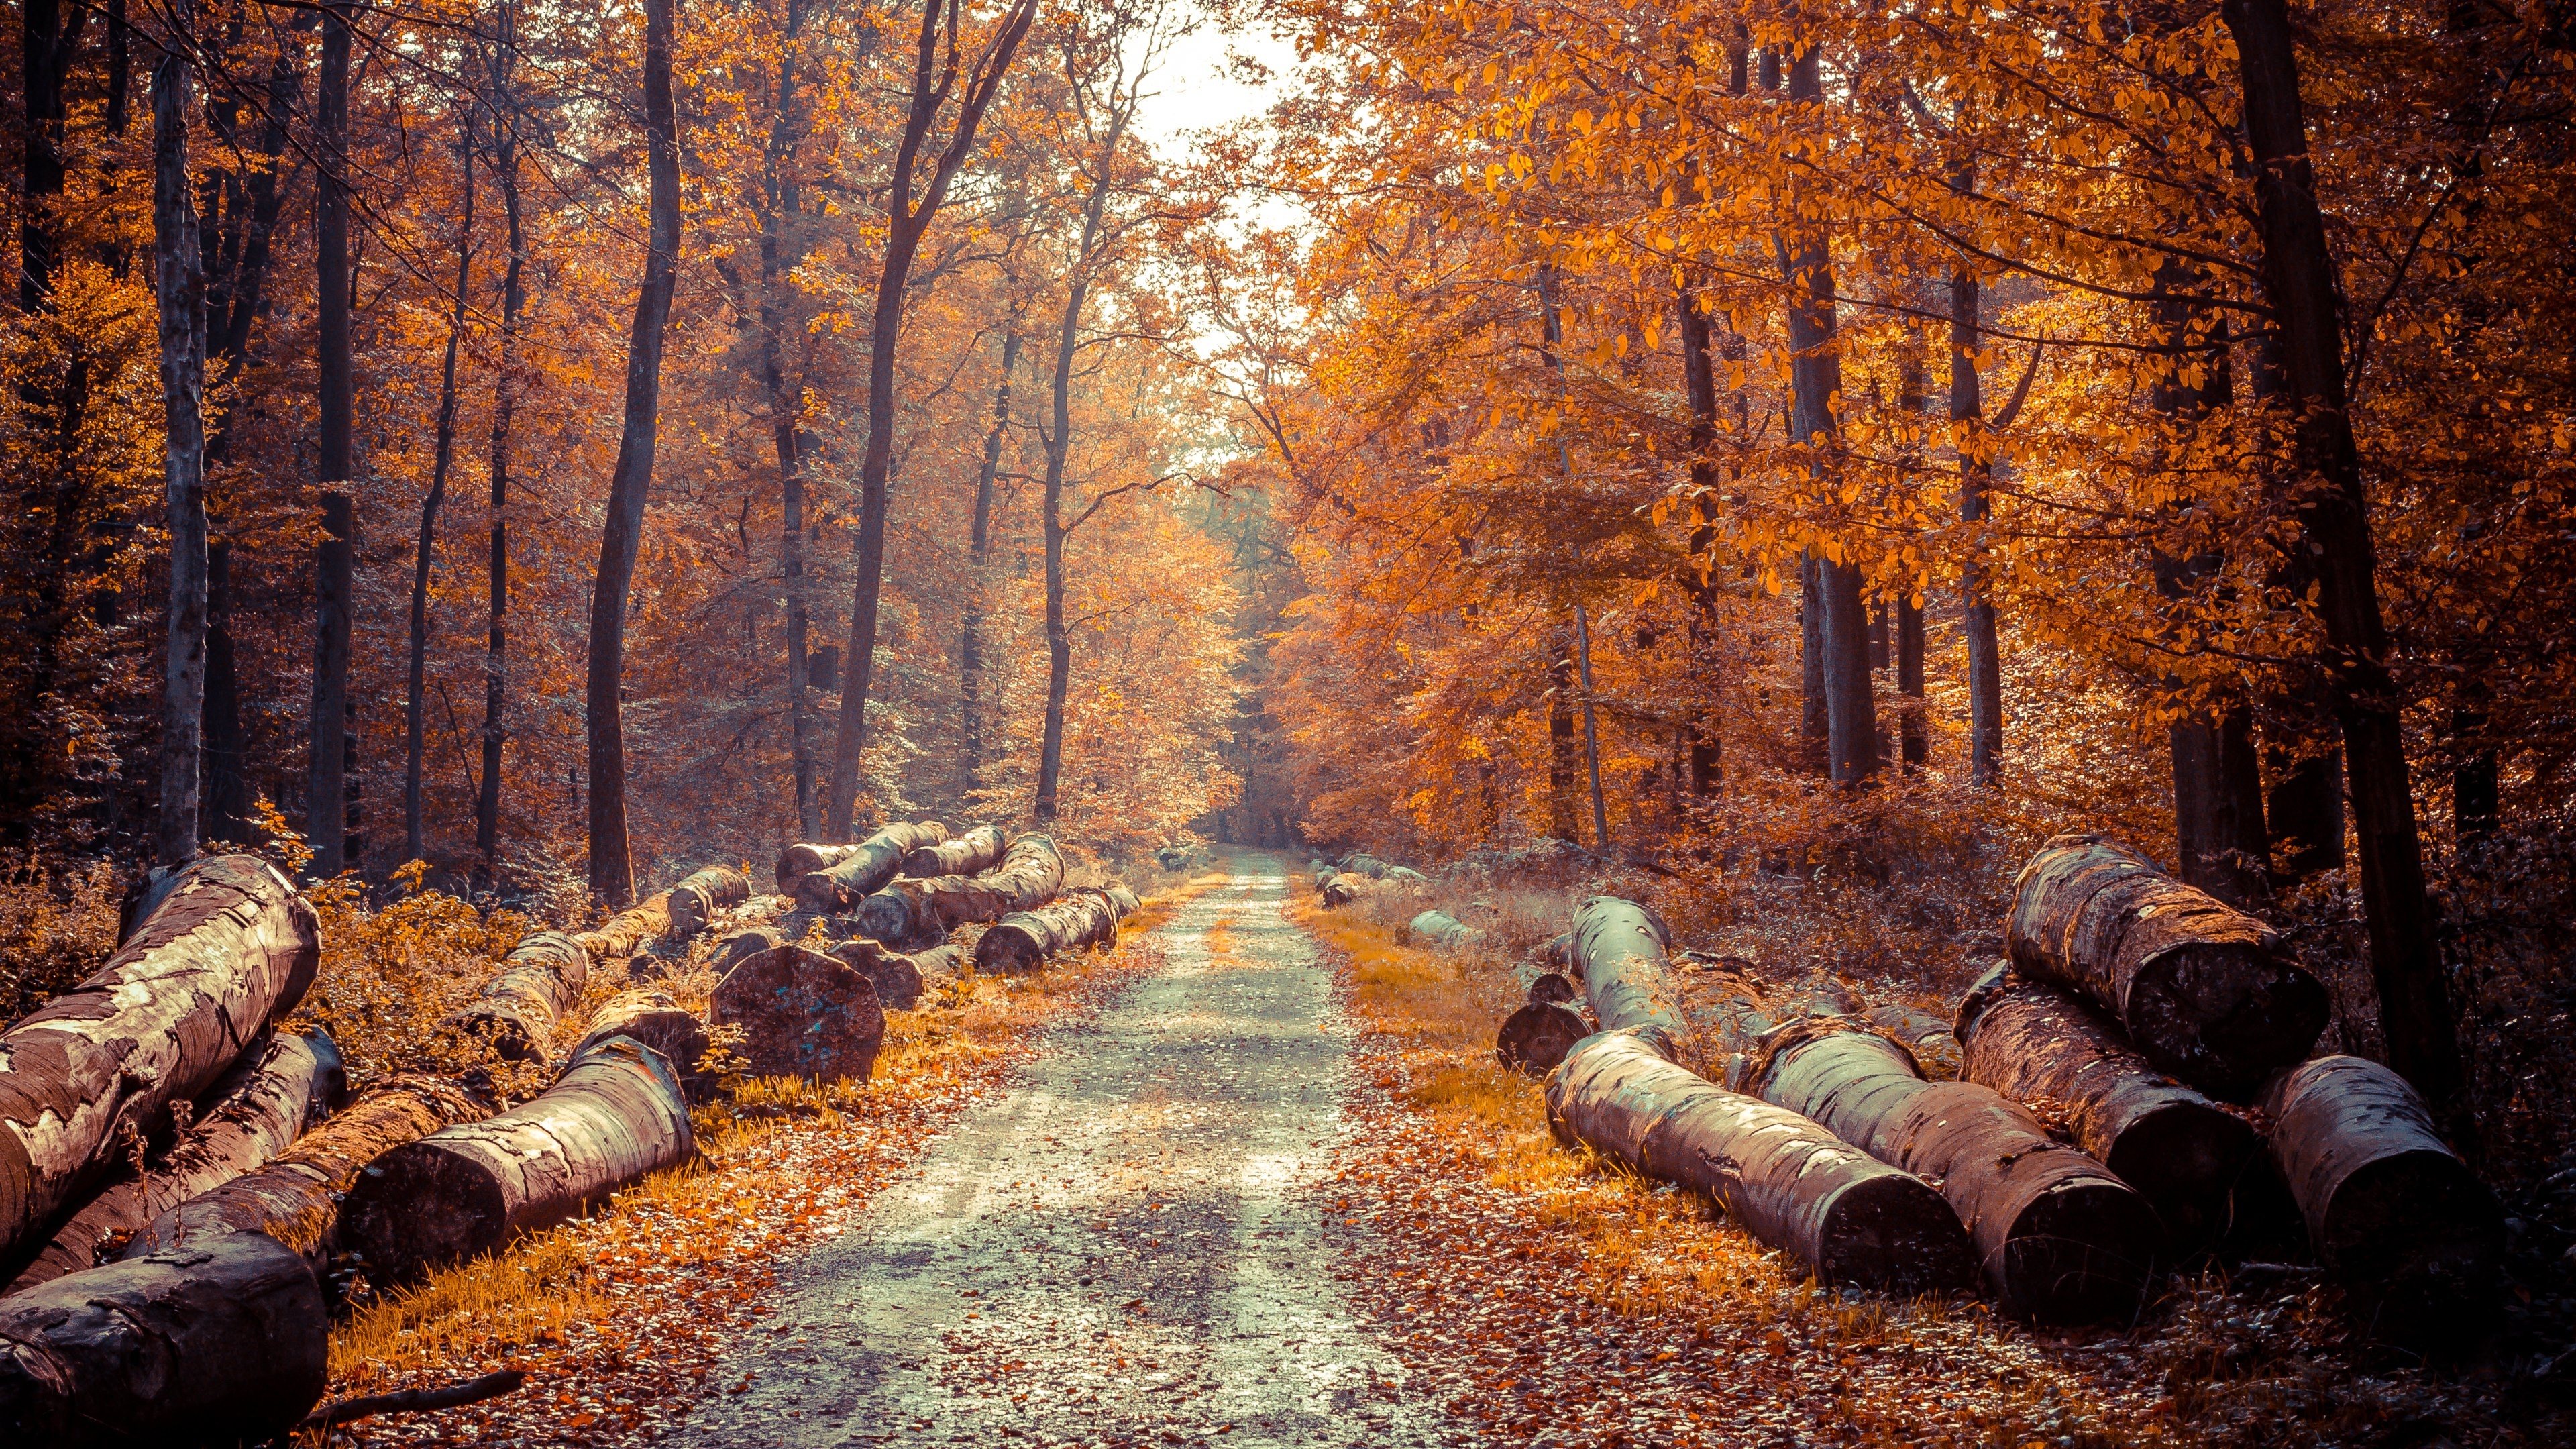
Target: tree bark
(867, 866)
(655, 1019)
(505, 402)
(1441, 930)
(2414, 1238)
(1976, 477)
(907, 913)
(229, 947)
(696, 900)
(970, 641)
(51, 40)
(803, 1014)
(1021, 942)
(264, 1105)
(1560, 738)
(801, 860)
(1934, 1044)
(226, 805)
(615, 1115)
(2034, 1042)
(630, 930)
(612, 869)
(326, 808)
(425, 550)
(782, 206)
(979, 849)
(1699, 387)
(179, 285)
(218, 1344)
(1618, 952)
(2204, 991)
(516, 1011)
(2300, 281)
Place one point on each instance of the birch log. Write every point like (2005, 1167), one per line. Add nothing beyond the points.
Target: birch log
(696, 900)
(614, 1115)
(230, 947)
(1933, 1041)
(1618, 949)
(1442, 931)
(912, 913)
(1341, 889)
(867, 867)
(976, 851)
(1022, 941)
(517, 1009)
(2204, 991)
(803, 1014)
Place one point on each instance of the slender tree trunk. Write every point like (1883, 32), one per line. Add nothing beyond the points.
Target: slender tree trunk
(1059, 443)
(425, 552)
(120, 69)
(2300, 281)
(1560, 738)
(225, 807)
(612, 870)
(1914, 739)
(1699, 382)
(326, 788)
(179, 285)
(505, 397)
(783, 207)
(970, 644)
(1976, 474)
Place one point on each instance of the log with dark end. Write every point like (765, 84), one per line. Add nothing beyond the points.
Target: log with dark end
(908, 914)
(803, 1014)
(897, 976)
(976, 851)
(656, 1019)
(629, 931)
(2204, 991)
(1785, 1179)
(415, 1401)
(229, 948)
(1341, 889)
(614, 1115)
(1549, 986)
(2032, 1041)
(1535, 1039)
(867, 867)
(696, 901)
(265, 1104)
(517, 1009)
(801, 860)
(1618, 950)
(1022, 941)
(218, 1343)
(2413, 1237)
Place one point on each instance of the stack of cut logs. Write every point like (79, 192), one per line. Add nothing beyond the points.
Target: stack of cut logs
(1339, 884)
(176, 1173)
(2165, 1034)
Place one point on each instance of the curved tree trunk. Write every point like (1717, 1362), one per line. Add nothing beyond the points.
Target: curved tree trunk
(803, 1014)
(517, 1009)
(614, 1115)
(908, 912)
(695, 901)
(978, 850)
(179, 283)
(866, 867)
(230, 947)
(1022, 941)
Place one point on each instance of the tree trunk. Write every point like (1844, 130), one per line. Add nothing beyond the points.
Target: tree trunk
(906, 913)
(230, 947)
(2414, 1238)
(226, 808)
(801, 860)
(516, 1011)
(425, 550)
(179, 284)
(326, 808)
(655, 1019)
(2034, 1042)
(505, 401)
(867, 866)
(615, 1115)
(696, 900)
(1021, 942)
(782, 205)
(1441, 930)
(2058, 1237)
(50, 45)
(979, 849)
(803, 1014)
(220, 1344)
(612, 869)
(1976, 477)
(2204, 991)
(970, 642)
(1059, 443)
(897, 977)
(1785, 1179)
(262, 1107)
(1560, 739)
(2300, 281)
(1935, 1046)
(1618, 952)
(1699, 385)
(630, 930)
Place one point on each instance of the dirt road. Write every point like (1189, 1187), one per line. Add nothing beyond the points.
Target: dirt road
(1120, 1250)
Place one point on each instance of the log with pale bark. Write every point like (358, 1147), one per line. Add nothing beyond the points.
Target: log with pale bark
(911, 913)
(1443, 931)
(2202, 990)
(1363, 863)
(1022, 941)
(296, 1197)
(265, 1104)
(803, 1014)
(629, 931)
(897, 976)
(517, 1009)
(2059, 1238)
(230, 947)
(656, 1019)
(221, 1342)
(614, 1115)
(867, 867)
(2414, 1238)
(1619, 950)
(1122, 900)
(801, 860)
(696, 901)
(976, 851)
(2035, 1042)
(1534, 1040)
(1931, 1038)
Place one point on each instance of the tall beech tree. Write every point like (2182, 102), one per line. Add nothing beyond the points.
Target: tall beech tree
(179, 285)
(425, 545)
(332, 742)
(499, 65)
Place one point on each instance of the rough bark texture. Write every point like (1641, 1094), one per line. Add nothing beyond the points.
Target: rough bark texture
(215, 1344)
(1976, 477)
(517, 1009)
(1022, 941)
(695, 901)
(629, 931)
(1440, 929)
(265, 1105)
(1789, 1182)
(2415, 1239)
(229, 947)
(803, 1014)
(326, 804)
(656, 1019)
(2034, 1042)
(614, 1115)
(1935, 1047)
(908, 913)
(1619, 952)
(296, 1198)
(2203, 991)
(897, 976)
(179, 286)
(801, 860)
(978, 850)
(867, 867)
(1533, 1041)
(2059, 1239)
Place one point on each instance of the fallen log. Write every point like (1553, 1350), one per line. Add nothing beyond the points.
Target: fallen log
(655, 1019)
(2204, 991)
(1549, 986)
(2414, 1238)
(264, 1105)
(803, 1014)
(1121, 900)
(296, 1197)
(1533, 1041)
(1618, 950)
(517, 1009)
(2034, 1042)
(1342, 889)
(799, 861)
(1022, 941)
(2059, 1239)
(897, 976)
(976, 851)
(218, 1343)
(614, 1115)
(229, 947)
(629, 931)
(1789, 1182)
(415, 1401)
(907, 913)
(743, 945)
(1934, 1044)
(695, 901)
(1442, 931)
(867, 867)
(1363, 863)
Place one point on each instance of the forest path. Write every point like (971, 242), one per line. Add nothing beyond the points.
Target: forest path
(1119, 1250)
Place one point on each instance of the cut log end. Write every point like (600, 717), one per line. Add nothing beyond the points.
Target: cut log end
(2225, 1016)
(2082, 1252)
(1534, 1040)
(385, 1222)
(1550, 986)
(803, 1014)
(1894, 1231)
(2186, 1159)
